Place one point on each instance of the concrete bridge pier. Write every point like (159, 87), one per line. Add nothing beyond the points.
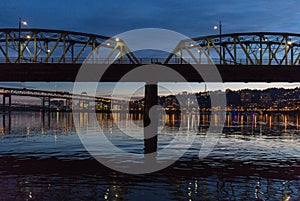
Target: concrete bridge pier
(4, 107)
(69, 103)
(150, 120)
(46, 103)
(108, 106)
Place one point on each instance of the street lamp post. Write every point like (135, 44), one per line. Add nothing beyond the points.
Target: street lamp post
(20, 26)
(220, 35)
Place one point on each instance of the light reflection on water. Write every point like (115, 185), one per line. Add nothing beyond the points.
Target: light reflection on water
(256, 158)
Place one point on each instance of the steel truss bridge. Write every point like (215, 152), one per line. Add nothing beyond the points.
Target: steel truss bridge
(61, 47)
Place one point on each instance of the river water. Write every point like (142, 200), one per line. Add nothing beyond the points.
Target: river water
(256, 158)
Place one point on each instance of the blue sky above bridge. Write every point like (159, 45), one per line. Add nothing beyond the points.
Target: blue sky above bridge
(192, 18)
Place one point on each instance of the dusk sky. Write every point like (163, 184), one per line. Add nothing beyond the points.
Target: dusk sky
(192, 18)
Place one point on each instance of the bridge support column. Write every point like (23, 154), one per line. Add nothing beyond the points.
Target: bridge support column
(46, 103)
(150, 120)
(6, 95)
(108, 106)
(69, 104)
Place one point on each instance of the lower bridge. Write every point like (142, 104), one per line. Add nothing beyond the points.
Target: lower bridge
(46, 97)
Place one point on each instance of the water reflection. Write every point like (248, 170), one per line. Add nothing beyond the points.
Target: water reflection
(235, 123)
(262, 124)
(35, 122)
(257, 158)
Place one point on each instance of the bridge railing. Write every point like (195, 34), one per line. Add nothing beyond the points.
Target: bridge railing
(58, 60)
(89, 60)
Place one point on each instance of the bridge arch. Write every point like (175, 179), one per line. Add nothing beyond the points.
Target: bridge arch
(253, 48)
(58, 46)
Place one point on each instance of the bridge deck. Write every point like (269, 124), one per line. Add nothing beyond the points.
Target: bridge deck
(68, 72)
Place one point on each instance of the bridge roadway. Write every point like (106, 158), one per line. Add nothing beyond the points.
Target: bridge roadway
(41, 72)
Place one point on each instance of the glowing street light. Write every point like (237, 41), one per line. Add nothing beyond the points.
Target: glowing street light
(24, 23)
(21, 22)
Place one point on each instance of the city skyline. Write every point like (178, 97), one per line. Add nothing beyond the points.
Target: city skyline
(162, 92)
(105, 89)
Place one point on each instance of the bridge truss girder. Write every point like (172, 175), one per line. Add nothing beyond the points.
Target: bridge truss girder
(54, 46)
(263, 48)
